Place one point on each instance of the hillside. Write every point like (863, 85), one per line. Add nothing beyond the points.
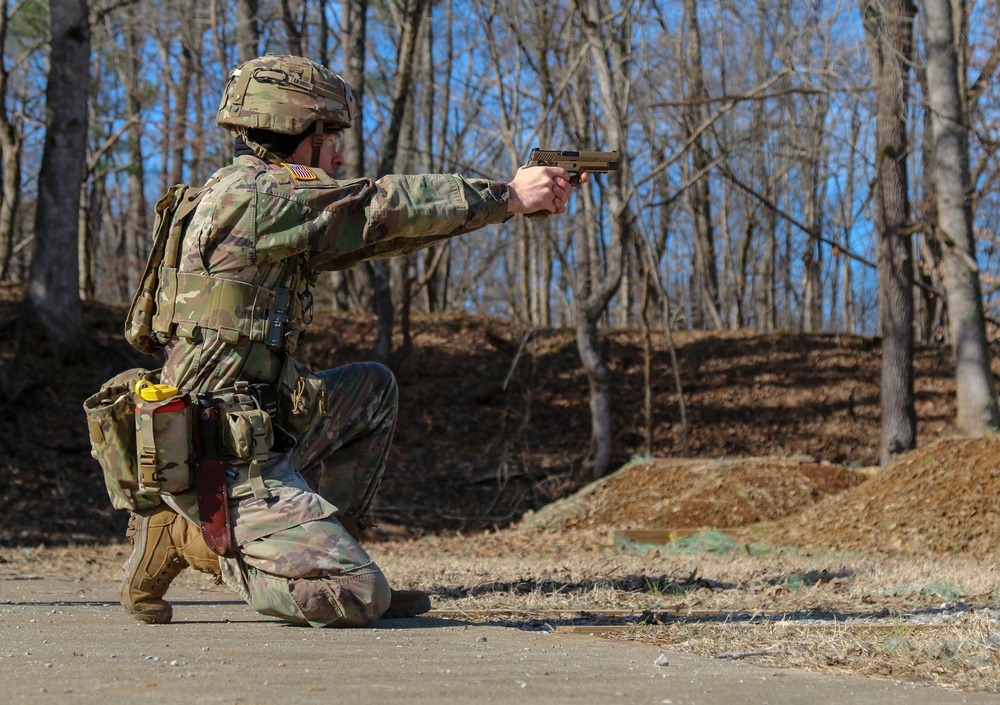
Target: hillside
(471, 453)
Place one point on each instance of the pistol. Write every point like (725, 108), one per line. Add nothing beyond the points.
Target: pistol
(575, 161)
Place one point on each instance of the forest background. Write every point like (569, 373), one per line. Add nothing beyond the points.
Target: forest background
(800, 166)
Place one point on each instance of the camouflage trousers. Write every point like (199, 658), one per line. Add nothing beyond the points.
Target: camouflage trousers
(296, 560)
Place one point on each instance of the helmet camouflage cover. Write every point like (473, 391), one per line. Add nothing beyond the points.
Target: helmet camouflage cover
(284, 94)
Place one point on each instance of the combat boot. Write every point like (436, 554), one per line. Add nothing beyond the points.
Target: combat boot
(407, 603)
(163, 544)
(403, 603)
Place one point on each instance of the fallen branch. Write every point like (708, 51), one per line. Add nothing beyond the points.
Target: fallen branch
(733, 655)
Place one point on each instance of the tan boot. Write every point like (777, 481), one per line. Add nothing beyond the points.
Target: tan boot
(163, 544)
(403, 603)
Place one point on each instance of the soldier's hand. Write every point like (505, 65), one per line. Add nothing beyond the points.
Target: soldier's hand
(542, 188)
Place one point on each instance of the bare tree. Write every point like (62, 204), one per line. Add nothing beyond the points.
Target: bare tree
(353, 41)
(705, 278)
(435, 262)
(977, 411)
(295, 26)
(137, 227)
(889, 28)
(189, 42)
(412, 17)
(610, 49)
(53, 302)
(247, 29)
(10, 154)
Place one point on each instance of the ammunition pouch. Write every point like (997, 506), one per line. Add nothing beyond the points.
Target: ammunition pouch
(168, 229)
(245, 431)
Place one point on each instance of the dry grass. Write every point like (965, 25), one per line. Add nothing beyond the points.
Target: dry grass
(694, 590)
(960, 656)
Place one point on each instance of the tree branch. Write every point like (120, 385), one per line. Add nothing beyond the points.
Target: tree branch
(740, 98)
(811, 232)
(110, 142)
(98, 14)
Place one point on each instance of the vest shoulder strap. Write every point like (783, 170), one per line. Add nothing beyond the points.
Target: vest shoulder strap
(172, 213)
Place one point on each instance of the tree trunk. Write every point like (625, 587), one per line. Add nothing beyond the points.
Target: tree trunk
(976, 391)
(610, 46)
(353, 40)
(699, 196)
(846, 305)
(599, 377)
(400, 97)
(434, 260)
(182, 91)
(293, 29)
(812, 306)
(889, 28)
(10, 156)
(767, 281)
(137, 233)
(53, 309)
(91, 214)
(522, 258)
(247, 29)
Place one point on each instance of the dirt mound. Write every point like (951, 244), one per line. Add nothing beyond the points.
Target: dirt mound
(688, 494)
(939, 500)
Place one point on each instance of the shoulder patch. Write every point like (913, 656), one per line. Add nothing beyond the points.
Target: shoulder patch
(300, 172)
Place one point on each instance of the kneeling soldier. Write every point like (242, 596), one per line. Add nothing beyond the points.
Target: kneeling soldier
(219, 486)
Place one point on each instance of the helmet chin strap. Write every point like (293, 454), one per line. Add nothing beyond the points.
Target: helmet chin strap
(261, 151)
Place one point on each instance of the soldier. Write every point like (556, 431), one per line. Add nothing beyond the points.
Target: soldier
(254, 238)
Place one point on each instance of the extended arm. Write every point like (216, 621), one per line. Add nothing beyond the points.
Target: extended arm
(353, 221)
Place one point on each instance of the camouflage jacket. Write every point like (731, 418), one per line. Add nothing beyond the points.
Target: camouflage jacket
(276, 226)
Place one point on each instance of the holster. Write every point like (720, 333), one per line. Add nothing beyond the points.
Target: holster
(233, 427)
(210, 480)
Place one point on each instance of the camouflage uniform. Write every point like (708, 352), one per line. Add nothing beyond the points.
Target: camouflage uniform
(270, 225)
(226, 292)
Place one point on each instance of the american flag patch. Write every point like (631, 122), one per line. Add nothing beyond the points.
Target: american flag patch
(300, 172)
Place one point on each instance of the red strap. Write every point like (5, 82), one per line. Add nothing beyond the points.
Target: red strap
(210, 480)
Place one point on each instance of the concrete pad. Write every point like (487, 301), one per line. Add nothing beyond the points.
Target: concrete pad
(69, 641)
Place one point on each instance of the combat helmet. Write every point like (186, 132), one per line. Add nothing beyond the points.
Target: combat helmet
(287, 95)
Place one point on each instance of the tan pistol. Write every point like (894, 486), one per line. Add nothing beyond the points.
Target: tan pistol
(575, 162)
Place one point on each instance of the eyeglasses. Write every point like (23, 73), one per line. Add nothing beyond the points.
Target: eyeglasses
(333, 138)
